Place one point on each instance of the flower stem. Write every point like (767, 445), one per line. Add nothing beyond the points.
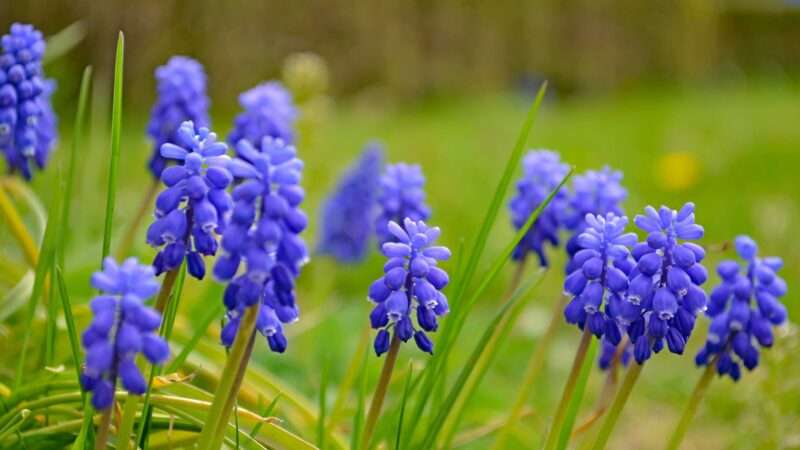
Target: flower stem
(532, 371)
(130, 234)
(691, 407)
(101, 438)
(165, 292)
(569, 389)
(616, 408)
(17, 227)
(231, 380)
(380, 393)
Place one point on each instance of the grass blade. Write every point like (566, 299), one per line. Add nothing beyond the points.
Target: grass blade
(200, 331)
(70, 319)
(476, 366)
(266, 413)
(577, 397)
(358, 417)
(323, 389)
(406, 393)
(64, 41)
(116, 132)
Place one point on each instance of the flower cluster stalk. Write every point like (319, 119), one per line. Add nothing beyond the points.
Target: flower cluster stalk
(380, 393)
(616, 408)
(691, 408)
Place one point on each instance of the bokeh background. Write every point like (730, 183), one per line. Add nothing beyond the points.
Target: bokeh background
(693, 99)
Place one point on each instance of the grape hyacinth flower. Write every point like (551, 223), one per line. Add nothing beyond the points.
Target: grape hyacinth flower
(191, 211)
(593, 192)
(664, 296)
(27, 122)
(542, 172)
(181, 89)
(412, 284)
(608, 352)
(264, 234)
(121, 328)
(743, 309)
(600, 281)
(348, 214)
(402, 195)
(268, 112)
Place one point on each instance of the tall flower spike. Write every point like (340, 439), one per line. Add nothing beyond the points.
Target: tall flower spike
(191, 211)
(599, 283)
(412, 284)
(402, 195)
(27, 121)
(664, 296)
(263, 234)
(542, 172)
(743, 309)
(181, 89)
(268, 112)
(593, 192)
(348, 214)
(121, 328)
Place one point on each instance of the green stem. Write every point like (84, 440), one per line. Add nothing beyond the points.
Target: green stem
(569, 389)
(130, 234)
(691, 407)
(380, 393)
(101, 439)
(532, 371)
(229, 384)
(616, 408)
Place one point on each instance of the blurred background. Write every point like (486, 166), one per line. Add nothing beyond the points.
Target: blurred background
(694, 100)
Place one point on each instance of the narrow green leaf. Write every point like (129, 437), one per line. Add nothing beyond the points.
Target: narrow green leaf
(214, 313)
(406, 393)
(478, 363)
(116, 132)
(358, 417)
(577, 397)
(323, 390)
(70, 319)
(64, 41)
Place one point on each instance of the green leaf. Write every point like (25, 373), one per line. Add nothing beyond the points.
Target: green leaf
(358, 417)
(323, 390)
(476, 366)
(64, 41)
(266, 413)
(406, 393)
(577, 397)
(70, 319)
(199, 331)
(116, 132)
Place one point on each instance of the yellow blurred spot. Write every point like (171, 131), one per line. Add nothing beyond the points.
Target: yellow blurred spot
(676, 171)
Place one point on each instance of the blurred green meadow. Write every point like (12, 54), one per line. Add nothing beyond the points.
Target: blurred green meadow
(729, 146)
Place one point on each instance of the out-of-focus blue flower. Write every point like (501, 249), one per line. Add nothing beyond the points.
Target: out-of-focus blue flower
(542, 172)
(191, 211)
(743, 309)
(27, 122)
(593, 192)
(402, 195)
(664, 294)
(598, 284)
(121, 328)
(268, 112)
(181, 89)
(264, 236)
(412, 284)
(348, 213)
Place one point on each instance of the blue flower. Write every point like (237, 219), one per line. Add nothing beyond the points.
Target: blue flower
(264, 235)
(268, 112)
(608, 352)
(593, 192)
(27, 122)
(542, 172)
(181, 88)
(598, 284)
(191, 211)
(121, 328)
(412, 284)
(402, 195)
(348, 213)
(743, 309)
(664, 295)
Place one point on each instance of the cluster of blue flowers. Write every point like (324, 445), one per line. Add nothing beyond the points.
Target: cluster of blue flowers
(743, 309)
(27, 122)
(664, 296)
(599, 283)
(263, 233)
(193, 207)
(348, 213)
(402, 195)
(268, 112)
(181, 88)
(412, 283)
(122, 327)
(542, 172)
